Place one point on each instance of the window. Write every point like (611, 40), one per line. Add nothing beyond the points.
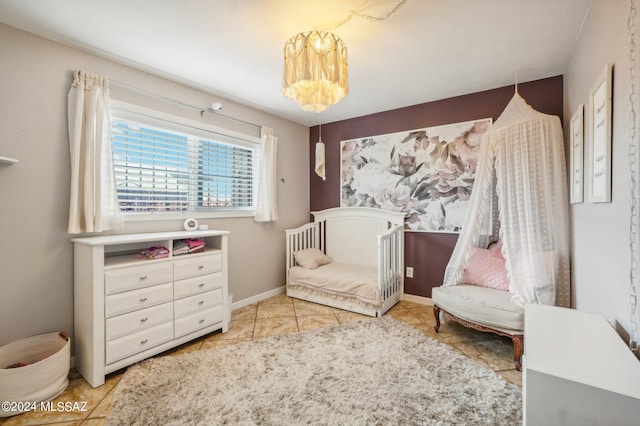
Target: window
(168, 165)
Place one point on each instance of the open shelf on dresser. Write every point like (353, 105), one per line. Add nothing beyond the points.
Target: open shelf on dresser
(131, 258)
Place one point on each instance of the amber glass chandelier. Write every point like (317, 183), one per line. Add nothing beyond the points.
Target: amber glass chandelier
(315, 70)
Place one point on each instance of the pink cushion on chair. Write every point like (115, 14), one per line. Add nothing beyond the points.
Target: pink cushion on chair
(486, 268)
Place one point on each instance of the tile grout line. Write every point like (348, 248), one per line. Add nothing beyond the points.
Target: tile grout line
(295, 315)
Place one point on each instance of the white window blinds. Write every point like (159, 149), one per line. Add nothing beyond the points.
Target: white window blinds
(164, 166)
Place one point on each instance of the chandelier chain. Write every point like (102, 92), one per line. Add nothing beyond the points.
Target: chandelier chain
(633, 184)
(370, 17)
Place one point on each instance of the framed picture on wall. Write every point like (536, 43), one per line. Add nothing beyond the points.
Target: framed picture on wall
(600, 136)
(576, 156)
(426, 173)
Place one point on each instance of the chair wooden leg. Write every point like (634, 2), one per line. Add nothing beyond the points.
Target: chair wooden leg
(517, 339)
(436, 312)
(518, 343)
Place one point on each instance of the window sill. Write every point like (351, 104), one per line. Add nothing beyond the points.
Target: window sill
(150, 217)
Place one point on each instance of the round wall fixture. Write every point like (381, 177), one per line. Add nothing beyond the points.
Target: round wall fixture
(190, 224)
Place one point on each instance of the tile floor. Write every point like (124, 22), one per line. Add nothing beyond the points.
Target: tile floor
(275, 316)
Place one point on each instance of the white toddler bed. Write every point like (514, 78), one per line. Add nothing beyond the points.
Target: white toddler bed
(349, 258)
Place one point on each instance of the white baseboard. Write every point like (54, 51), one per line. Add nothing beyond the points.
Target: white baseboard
(257, 298)
(418, 299)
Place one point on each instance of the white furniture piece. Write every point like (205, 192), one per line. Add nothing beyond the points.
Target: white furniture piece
(127, 309)
(577, 370)
(366, 246)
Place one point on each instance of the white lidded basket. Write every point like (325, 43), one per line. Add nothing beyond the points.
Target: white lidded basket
(39, 369)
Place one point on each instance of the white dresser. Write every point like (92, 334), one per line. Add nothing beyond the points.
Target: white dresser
(577, 370)
(127, 309)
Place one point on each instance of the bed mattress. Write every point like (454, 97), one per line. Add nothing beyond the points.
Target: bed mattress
(351, 282)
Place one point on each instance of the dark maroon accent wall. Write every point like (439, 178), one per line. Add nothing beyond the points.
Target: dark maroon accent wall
(428, 253)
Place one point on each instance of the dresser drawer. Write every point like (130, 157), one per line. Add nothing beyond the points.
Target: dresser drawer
(197, 303)
(197, 285)
(121, 303)
(136, 321)
(198, 265)
(191, 323)
(123, 279)
(138, 342)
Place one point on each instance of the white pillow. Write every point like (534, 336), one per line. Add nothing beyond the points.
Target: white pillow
(311, 258)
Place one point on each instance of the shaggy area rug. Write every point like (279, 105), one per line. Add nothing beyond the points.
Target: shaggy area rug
(375, 372)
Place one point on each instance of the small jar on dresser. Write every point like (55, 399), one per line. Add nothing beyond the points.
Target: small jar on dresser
(128, 307)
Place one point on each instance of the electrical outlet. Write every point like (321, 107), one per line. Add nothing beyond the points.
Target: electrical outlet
(409, 272)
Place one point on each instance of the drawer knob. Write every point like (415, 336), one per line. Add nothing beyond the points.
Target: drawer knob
(142, 342)
(201, 285)
(200, 266)
(143, 319)
(201, 321)
(201, 302)
(143, 299)
(144, 277)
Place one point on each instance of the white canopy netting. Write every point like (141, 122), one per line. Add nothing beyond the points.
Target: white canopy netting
(520, 197)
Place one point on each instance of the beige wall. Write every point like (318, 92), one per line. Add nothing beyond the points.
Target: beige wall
(600, 232)
(36, 257)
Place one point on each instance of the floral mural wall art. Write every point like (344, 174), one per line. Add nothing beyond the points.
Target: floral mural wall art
(426, 173)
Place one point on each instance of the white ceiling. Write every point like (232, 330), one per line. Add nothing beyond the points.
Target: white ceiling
(427, 50)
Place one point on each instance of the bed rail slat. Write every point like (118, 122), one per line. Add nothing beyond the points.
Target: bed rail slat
(303, 237)
(390, 266)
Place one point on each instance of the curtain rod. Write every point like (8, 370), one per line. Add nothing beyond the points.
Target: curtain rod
(176, 102)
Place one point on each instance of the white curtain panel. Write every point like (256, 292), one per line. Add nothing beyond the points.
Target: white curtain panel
(93, 205)
(525, 150)
(267, 204)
